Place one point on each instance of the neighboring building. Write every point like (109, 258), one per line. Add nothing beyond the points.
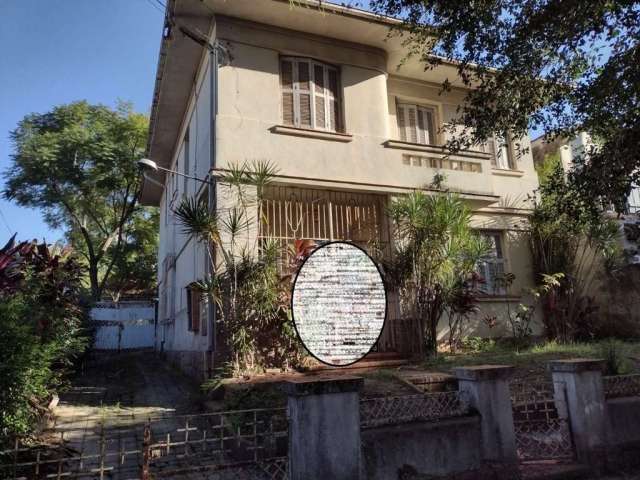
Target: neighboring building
(318, 91)
(568, 151)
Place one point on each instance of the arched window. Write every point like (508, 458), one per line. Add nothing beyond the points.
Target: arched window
(310, 94)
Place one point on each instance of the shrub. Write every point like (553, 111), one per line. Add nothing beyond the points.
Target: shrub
(40, 331)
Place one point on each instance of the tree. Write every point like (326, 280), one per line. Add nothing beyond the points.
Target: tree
(78, 164)
(559, 65)
(569, 235)
(436, 255)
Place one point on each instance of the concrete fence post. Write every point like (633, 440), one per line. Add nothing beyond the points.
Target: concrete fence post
(486, 388)
(579, 381)
(324, 428)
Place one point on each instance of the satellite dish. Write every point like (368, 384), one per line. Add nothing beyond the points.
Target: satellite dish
(339, 303)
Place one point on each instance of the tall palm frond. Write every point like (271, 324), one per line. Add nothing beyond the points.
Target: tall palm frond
(196, 219)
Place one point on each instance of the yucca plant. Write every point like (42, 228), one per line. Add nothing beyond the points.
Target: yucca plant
(244, 284)
(436, 252)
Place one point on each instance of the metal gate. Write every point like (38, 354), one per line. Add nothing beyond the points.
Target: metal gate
(540, 419)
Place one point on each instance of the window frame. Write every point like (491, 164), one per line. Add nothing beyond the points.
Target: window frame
(431, 132)
(327, 95)
(490, 288)
(501, 143)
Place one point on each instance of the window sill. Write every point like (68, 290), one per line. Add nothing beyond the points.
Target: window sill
(305, 132)
(439, 149)
(507, 173)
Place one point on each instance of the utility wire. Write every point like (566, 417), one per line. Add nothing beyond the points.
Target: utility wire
(155, 7)
(6, 224)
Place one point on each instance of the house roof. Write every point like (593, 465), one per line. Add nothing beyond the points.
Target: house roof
(180, 56)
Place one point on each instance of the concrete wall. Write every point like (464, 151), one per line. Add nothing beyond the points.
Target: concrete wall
(439, 448)
(623, 427)
(124, 325)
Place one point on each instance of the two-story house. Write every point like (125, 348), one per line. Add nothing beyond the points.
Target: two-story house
(322, 92)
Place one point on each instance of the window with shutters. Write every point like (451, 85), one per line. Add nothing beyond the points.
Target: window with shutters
(416, 124)
(491, 267)
(499, 147)
(310, 94)
(193, 308)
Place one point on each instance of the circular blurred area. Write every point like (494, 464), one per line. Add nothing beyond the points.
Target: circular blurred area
(339, 303)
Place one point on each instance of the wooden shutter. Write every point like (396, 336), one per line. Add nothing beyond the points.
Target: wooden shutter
(189, 313)
(402, 127)
(333, 94)
(286, 84)
(490, 148)
(426, 131)
(303, 95)
(319, 96)
(412, 120)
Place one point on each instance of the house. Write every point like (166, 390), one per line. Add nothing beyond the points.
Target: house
(568, 151)
(323, 93)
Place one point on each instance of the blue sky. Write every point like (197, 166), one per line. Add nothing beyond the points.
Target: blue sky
(58, 51)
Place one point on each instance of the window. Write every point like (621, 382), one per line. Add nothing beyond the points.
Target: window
(193, 308)
(416, 124)
(499, 147)
(491, 268)
(310, 94)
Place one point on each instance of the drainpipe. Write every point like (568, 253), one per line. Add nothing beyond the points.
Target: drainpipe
(213, 108)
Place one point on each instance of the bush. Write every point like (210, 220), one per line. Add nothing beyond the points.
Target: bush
(40, 331)
(615, 359)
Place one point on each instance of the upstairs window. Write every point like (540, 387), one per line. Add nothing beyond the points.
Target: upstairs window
(499, 147)
(310, 94)
(416, 124)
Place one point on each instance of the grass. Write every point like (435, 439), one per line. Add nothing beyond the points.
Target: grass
(533, 359)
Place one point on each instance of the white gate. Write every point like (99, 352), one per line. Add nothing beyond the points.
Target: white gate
(124, 325)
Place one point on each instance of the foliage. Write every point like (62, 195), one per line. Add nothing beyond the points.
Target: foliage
(78, 164)
(462, 304)
(246, 286)
(436, 254)
(549, 165)
(570, 235)
(40, 330)
(614, 354)
(521, 319)
(478, 344)
(561, 66)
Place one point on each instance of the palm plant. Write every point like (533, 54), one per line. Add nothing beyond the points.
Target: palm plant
(244, 284)
(436, 252)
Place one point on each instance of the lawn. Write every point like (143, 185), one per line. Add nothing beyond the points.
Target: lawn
(532, 360)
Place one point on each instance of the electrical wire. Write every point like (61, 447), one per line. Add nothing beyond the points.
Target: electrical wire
(155, 7)
(6, 224)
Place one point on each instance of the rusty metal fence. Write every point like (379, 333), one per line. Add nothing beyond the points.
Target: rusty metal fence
(540, 421)
(622, 386)
(246, 444)
(375, 412)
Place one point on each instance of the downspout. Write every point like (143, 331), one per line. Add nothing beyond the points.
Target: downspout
(213, 108)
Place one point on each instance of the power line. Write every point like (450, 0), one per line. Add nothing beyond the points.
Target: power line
(6, 224)
(155, 6)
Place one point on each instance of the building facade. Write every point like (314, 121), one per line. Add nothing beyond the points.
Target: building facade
(327, 96)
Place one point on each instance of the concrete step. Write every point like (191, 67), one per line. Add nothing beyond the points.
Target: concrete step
(374, 360)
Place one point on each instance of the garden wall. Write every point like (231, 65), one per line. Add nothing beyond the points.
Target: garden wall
(446, 447)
